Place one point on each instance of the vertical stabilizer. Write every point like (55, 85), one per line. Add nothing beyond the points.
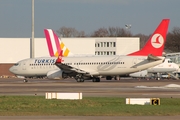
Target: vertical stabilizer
(55, 44)
(155, 44)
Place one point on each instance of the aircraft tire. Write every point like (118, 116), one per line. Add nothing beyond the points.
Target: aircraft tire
(97, 79)
(117, 78)
(94, 79)
(25, 80)
(78, 80)
(82, 80)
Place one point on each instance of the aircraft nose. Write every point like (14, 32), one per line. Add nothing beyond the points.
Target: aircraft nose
(11, 69)
(177, 67)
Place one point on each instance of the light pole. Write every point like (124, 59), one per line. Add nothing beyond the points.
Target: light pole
(128, 26)
(32, 38)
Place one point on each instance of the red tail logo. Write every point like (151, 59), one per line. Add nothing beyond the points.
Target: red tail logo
(155, 44)
(157, 40)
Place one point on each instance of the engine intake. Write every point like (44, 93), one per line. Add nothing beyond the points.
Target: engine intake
(55, 74)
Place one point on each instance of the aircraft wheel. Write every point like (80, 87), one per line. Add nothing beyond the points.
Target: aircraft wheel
(78, 80)
(25, 80)
(97, 79)
(117, 78)
(82, 80)
(94, 79)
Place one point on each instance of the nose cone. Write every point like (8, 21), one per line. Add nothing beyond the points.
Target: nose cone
(177, 66)
(12, 70)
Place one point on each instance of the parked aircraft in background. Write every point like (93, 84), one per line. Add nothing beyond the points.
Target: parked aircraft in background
(95, 67)
(40, 66)
(54, 44)
(166, 67)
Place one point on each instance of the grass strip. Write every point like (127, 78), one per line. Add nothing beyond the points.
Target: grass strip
(88, 106)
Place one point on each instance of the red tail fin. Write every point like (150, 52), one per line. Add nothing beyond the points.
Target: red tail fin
(155, 44)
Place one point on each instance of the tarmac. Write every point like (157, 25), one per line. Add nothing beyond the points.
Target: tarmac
(126, 88)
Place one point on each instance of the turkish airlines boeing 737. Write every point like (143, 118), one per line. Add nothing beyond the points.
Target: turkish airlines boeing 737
(83, 68)
(95, 67)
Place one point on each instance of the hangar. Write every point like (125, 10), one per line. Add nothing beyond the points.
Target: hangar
(13, 50)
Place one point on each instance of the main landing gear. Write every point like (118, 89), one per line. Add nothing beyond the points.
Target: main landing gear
(96, 79)
(79, 78)
(25, 80)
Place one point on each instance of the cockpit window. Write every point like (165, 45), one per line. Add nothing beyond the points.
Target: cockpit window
(16, 64)
(169, 61)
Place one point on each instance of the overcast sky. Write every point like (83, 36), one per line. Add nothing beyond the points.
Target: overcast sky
(85, 15)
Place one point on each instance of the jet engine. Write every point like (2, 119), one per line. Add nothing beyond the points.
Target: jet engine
(140, 74)
(55, 74)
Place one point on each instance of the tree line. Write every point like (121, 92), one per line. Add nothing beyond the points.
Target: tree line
(172, 39)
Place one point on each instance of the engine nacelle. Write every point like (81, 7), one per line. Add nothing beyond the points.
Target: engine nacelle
(143, 73)
(55, 74)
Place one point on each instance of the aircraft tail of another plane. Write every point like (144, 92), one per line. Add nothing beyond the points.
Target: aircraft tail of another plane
(55, 45)
(155, 44)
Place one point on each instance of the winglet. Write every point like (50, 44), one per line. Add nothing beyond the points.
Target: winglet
(59, 59)
(155, 44)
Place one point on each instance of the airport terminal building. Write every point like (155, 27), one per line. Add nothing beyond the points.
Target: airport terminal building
(13, 50)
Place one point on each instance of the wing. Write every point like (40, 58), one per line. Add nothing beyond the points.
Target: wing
(68, 69)
(152, 57)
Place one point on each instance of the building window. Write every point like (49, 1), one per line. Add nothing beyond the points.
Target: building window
(104, 44)
(107, 44)
(114, 44)
(111, 44)
(101, 44)
(111, 53)
(114, 53)
(101, 53)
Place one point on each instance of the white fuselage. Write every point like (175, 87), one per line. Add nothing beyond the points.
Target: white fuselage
(34, 66)
(110, 65)
(95, 66)
(164, 67)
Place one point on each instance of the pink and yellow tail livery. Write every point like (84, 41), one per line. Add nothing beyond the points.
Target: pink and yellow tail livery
(55, 45)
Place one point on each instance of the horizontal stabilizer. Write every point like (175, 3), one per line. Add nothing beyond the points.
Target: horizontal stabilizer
(152, 57)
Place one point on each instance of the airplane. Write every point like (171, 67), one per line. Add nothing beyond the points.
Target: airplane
(166, 67)
(40, 66)
(44, 66)
(94, 67)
